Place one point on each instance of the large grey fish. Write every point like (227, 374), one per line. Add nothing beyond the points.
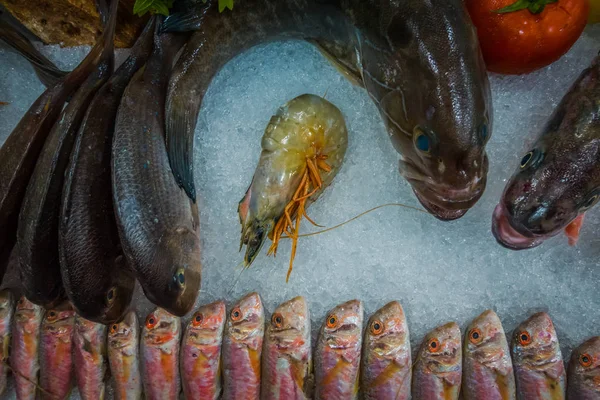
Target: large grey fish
(7, 308)
(537, 360)
(558, 179)
(20, 151)
(37, 232)
(158, 224)
(123, 345)
(419, 60)
(89, 358)
(94, 271)
(584, 371)
(487, 367)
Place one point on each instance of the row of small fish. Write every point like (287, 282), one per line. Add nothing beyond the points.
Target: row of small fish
(235, 355)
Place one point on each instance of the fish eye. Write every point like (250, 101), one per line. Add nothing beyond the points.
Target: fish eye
(277, 320)
(110, 295)
(21, 301)
(475, 336)
(180, 277)
(524, 338)
(114, 328)
(434, 345)
(421, 140)
(198, 318)
(236, 314)
(51, 315)
(151, 321)
(526, 159)
(586, 360)
(483, 132)
(591, 201)
(376, 327)
(332, 322)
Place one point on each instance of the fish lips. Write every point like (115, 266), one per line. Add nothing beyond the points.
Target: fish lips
(510, 235)
(447, 209)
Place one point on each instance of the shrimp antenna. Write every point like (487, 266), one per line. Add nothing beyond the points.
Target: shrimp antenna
(32, 382)
(241, 264)
(326, 91)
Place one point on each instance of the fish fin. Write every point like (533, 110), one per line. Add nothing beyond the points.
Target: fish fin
(572, 230)
(338, 56)
(180, 146)
(186, 18)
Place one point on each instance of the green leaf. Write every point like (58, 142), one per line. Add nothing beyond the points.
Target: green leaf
(534, 6)
(141, 7)
(225, 4)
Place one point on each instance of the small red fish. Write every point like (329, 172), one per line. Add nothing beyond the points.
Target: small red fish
(572, 230)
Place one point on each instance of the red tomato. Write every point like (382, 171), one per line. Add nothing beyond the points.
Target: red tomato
(518, 42)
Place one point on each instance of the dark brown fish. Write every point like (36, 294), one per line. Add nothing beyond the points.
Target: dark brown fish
(21, 149)
(158, 224)
(95, 274)
(558, 180)
(419, 61)
(37, 233)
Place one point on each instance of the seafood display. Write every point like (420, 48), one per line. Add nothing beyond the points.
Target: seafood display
(302, 149)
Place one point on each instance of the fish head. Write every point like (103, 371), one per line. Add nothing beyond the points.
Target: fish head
(27, 311)
(246, 318)
(290, 323)
(124, 333)
(342, 328)
(441, 349)
(485, 342)
(161, 328)
(206, 325)
(585, 363)
(88, 329)
(535, 343)
(387, 333)
(59, 320)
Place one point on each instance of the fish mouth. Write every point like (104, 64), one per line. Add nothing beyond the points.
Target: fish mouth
(511, 236)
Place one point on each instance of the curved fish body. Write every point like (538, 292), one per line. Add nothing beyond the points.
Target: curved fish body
(7, 304)
(89, 358)
(158, 224)
(123, 345)
(200, 359)
(95, 275)
(386, 358)
(537, 359)
(287, 353)
(56, 364)
(438, 367)
(419, 61)
(584, 371)
(39, 218)
(242, 349)
(24, 360)
(487, 367)
(20, 151)
(307, 133)
(558, 179)
(337, 355)
(159, 351)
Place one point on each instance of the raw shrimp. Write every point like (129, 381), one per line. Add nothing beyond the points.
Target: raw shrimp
(302, 150)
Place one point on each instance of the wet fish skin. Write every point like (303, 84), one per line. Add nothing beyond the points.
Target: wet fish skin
(287, 354)
(123, 345)
(242, 349)
(560, 177)
(338, 352)
(24, 359)
(20, 151)
(487, 366)
(200, 359)
(7, 304)
(95, 274)
(438, 367)
(386, 364)
(56, 365)
(158, 224)
(37, 246)
(537, 360)
(159, 350)
(584, 371)
(89, 358)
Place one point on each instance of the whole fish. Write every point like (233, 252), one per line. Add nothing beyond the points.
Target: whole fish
(20, 151)
(123, 345)
(24, 360)
(537, 360)
(89, 358)
(337, 355)
(419, 60)
(94, 271)
(487, 367)
(200, 359)
(438, 366)
(386, 357)
(7, 305)
(287, 353)
(584, 371)
(56, 365)
(558, 180)
(39, 218)
(242, 348)
(159, 351)
(158, 224)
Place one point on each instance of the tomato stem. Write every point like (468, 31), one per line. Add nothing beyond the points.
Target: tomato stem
(534, 6)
